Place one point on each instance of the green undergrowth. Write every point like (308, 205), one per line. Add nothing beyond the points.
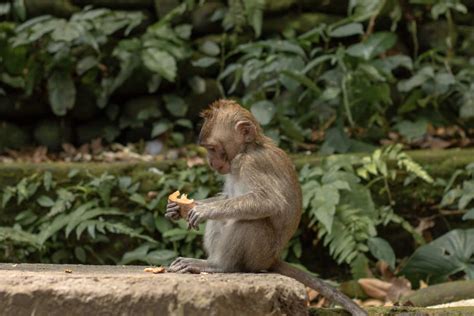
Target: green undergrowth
(113, 213)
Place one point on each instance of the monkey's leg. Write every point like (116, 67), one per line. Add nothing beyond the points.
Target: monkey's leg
(191, 265)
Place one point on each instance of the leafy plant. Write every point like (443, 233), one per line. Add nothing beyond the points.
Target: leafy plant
(343, 211)
(450, 254)
(461, 196)
(75, 219)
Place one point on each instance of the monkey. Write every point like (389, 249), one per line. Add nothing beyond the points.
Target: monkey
(249, 224)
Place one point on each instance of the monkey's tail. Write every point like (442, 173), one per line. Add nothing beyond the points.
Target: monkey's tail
(319, 285)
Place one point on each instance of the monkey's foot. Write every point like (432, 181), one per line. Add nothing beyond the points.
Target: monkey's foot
(188, 265)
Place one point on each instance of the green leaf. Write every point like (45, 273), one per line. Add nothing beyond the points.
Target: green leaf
(160, 257)
(469, 215)
(417, 80)
(347, 30)
(198, 84)
(160, 62)
(184, 123)
(80, 254)
(291, 129)
(17, 235)
(56, 225)
(183, 31)
(8, 193)
(204, 62)
(175, 105)
(139, 254)
(382, 250)
(162, 224)
(86, 64)
(254, 13)
(466, 110)
(449, 254)
(48, 180)
(138, 198)
(360, 267)
(263, 111)
(297, 250)
(72, 173)
(159, 128)
(412, 130)
(45, 201)
(61, 92)
(324, 205)
(210, 48)
(376, 44)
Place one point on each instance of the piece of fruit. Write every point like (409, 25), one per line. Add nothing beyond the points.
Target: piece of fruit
(155, 270)
(184, 203)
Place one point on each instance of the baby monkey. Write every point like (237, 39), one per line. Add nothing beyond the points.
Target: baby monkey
(251, 222)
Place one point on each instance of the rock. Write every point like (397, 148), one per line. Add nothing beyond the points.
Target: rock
(39, 289)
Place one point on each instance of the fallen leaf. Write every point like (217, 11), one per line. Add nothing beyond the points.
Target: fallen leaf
(68, 271)
(374, 287)
(372, 303)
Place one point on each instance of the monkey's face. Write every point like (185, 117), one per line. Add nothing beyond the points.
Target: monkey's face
(218, 158)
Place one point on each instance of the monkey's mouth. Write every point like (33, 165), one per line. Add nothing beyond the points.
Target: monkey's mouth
(225, 169)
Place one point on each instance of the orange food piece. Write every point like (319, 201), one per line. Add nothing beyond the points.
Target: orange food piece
(155, 270)
(184, 203)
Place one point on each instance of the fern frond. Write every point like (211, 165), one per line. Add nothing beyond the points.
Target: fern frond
(404, 161)
(18, 236)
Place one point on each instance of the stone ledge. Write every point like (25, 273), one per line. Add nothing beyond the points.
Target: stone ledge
(40, 289)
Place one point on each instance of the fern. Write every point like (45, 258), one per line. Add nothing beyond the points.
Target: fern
(351, 230)
(412, 167)
(376, 164)
(19, 236)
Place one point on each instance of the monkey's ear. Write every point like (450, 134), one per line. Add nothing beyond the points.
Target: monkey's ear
(247, 130)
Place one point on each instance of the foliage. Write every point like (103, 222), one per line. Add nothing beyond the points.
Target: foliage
(343, 209)
(338, 87)
(96, 219)
(84, 53)
(461, 196)
(450, 254)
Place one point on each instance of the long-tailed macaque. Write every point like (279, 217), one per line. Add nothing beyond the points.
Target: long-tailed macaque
(251, 222)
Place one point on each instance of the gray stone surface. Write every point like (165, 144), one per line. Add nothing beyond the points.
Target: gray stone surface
(37, 289)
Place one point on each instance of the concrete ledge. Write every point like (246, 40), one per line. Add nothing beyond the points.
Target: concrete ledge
(39, 289)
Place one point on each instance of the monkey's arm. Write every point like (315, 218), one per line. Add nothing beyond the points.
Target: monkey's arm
(219, 197)
(250, 206)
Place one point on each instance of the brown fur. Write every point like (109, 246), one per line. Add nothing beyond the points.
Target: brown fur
(251, 223)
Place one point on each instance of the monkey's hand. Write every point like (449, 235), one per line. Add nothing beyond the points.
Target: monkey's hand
(172, 211)
(197, 215)
(187, 265)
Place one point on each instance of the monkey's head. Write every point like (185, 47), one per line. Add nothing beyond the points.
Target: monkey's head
(228, 130)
